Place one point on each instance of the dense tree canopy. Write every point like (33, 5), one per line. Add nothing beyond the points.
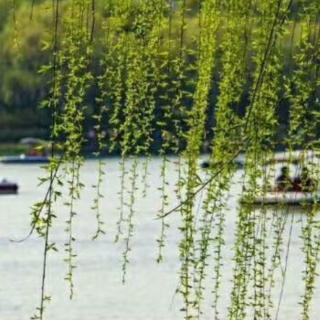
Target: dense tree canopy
(24, 34)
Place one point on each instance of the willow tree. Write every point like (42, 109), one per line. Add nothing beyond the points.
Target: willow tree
(161, 62)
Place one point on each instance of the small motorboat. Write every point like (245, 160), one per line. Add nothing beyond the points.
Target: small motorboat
(239, 163)
(24, 159)
(7, 187)
(300, 163)
(205, 164)
(284, 198)
(37, 152)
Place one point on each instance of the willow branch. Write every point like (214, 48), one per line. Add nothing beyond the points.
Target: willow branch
(203, 186)
(44, 202)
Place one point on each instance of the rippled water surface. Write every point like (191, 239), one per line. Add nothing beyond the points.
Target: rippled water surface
(99, 293)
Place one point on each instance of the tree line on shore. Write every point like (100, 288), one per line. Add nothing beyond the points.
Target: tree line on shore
(23, 30)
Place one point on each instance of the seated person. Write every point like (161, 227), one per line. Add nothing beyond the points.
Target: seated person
(284, 182)
(304, 183)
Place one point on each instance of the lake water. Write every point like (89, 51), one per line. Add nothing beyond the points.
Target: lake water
(99, 293)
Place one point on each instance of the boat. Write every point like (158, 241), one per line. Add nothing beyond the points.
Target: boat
(37, 152)
(205, 164)
(284, 198)
(24, 159)
(295, 162)
(238, 162)
(7, 187)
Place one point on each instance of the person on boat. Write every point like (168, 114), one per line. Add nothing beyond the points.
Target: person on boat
(284, 182)
(304, 183)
